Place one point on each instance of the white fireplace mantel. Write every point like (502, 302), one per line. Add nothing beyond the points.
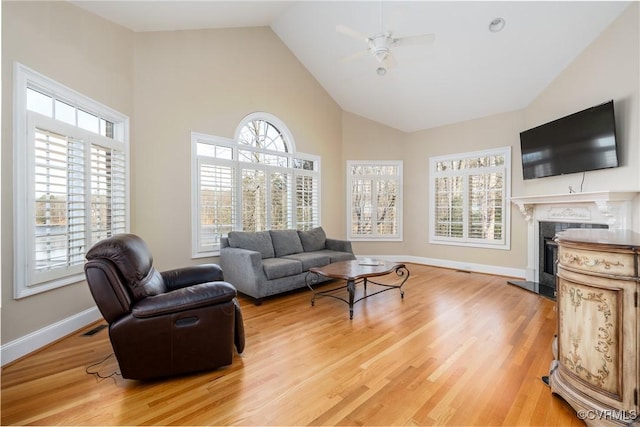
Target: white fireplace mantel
(613, 208)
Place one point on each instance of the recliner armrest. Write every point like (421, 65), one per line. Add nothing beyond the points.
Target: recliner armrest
(202, 295)
(189, 276)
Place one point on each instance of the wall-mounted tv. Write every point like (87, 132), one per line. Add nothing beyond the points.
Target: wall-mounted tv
(580, 142)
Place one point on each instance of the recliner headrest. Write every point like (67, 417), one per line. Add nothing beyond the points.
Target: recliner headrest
(132, 257)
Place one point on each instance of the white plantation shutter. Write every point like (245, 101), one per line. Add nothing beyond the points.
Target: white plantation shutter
(468, 199)
(79, 197)
(59, 219)
(280, 194)
(307, 206)
(361, 207)
(108, 192)
(449, 211)
(486, 204)
(254, 200)
(375, 200)
(216, 213)
(387, 206)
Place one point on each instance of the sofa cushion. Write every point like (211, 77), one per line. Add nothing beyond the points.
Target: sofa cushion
(259, 241)
(310, 259)
(285, 242)
(313, 240)
(275, 268)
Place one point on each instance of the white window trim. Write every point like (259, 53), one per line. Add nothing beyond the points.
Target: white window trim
(22, 207)
(292, 154)
(505, 243)
(375, 237)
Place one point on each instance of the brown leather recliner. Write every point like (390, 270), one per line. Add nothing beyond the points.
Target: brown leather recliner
(162, 324)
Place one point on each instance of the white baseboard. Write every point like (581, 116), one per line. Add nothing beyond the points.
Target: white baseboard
(35, 340)
(456, 265)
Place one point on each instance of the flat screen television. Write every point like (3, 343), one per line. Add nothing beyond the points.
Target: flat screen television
(580, 142)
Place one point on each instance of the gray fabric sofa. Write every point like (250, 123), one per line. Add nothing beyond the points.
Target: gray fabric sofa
(264, 263)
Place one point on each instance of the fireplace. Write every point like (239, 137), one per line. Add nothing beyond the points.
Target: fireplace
(548, 253)
(547, 215)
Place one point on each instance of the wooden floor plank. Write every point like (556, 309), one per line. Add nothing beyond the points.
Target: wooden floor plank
(459, 349)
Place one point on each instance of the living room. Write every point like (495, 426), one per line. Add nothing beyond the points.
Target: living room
(170, 84)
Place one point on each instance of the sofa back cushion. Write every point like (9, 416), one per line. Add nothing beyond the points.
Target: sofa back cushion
(313, 240)
(285, 242)
(259, 241)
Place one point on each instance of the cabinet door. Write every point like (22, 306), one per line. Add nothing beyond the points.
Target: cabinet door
(597, 336)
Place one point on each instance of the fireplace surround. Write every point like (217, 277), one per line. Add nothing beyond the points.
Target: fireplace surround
(548, 250)
(553, 213)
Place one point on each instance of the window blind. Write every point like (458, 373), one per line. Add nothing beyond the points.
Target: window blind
(468, 198)
(217, 190)
(60, 212)
(375, 200)
(307, 206)
(108, 214)
(281, 214)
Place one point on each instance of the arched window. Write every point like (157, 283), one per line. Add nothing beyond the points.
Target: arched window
(260, 133)
(254, 182)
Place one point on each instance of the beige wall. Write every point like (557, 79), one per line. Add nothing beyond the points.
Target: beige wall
(89, 55)
(207, 81)
(607, 69)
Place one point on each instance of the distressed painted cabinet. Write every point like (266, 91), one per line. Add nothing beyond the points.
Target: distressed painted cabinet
(596, 367)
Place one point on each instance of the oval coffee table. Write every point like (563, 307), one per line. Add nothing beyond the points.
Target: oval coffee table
(356, 272)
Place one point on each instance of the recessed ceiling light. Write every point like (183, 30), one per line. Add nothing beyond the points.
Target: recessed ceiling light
(496, 25)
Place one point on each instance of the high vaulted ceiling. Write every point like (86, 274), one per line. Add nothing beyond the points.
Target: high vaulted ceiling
(467, 71)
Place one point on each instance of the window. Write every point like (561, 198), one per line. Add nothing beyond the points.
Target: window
(469, 193)
(374, 192)
(255, 182)
(71, 181)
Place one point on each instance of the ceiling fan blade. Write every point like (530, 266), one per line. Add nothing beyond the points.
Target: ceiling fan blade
(414, 40)
(342, 29)
(390, 61)
(355, 56)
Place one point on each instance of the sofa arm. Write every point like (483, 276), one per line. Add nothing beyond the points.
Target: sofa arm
(339, 245)
(243, 269)
(188, 276)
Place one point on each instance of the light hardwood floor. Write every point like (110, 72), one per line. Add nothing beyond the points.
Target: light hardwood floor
(460, 349)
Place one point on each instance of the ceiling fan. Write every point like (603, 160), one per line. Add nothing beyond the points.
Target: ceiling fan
(379, 45)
